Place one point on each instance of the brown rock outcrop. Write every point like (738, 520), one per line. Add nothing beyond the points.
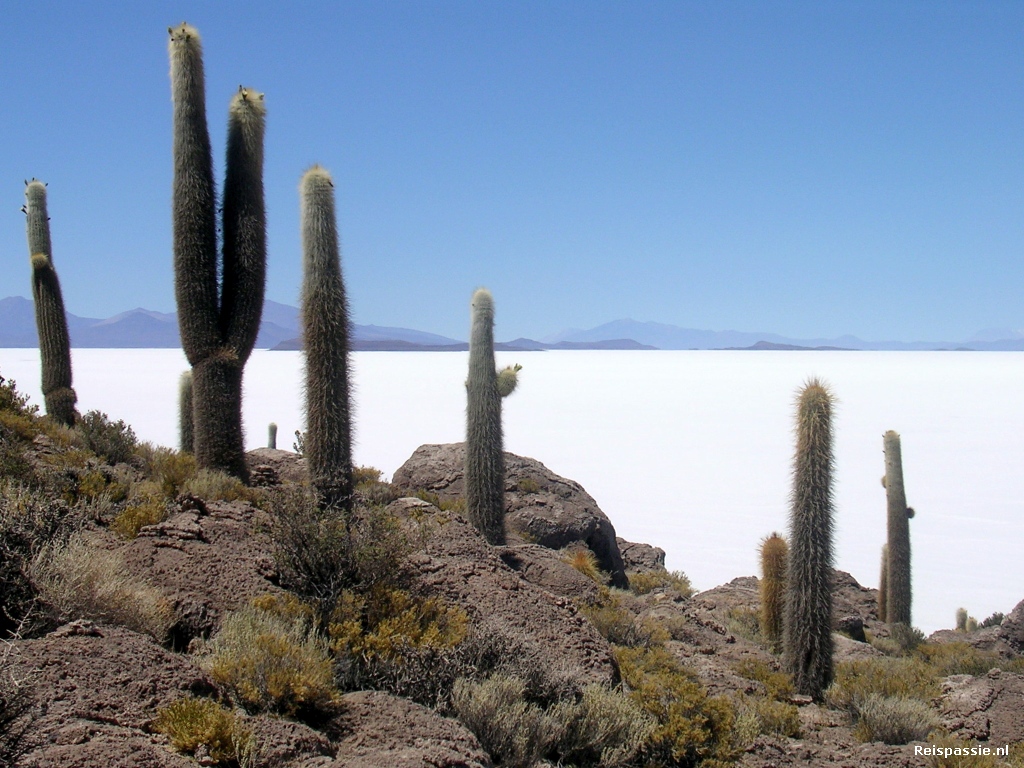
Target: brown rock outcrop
(540, 506)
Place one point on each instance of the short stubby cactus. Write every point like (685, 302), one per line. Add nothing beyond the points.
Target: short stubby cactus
(774, 558)
(218, 319)
(807, 630)
(898, 586)
(327, 442)
(485, 459)
(51, 321)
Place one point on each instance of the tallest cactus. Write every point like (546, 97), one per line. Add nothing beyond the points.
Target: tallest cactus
(218, 322)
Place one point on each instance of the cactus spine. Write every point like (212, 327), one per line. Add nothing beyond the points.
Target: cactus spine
(883, 586)
(325, 328)
(774, 557)
(272, 435)
(485, 459)
(807, 631)
(218, 322)
(51, 322)
(186, 436)
(898, 592)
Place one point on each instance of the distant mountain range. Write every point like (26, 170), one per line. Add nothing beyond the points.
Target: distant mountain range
(143, 328)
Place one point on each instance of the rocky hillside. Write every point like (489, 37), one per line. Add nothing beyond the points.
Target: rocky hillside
(159, 616)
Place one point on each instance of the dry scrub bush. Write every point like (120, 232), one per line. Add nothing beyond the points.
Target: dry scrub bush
(78, 581)
(858, 679)
(191, 723)
(584, 561)
(603, 727)
(270, 663)
(214, 485)
(958, 659)
(15, 707)
(137, 514)
(894, 719)
(756, 716)
(514, 731)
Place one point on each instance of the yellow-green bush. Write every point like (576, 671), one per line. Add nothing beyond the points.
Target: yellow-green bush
(692, 727)
(778, 685)
(191, 723)
(214, 485)
(618, 625)
(138, 513)
(957, 659)
(272, 664)
(756, 716)
(167, 468)
(648, 581)
(603, 727)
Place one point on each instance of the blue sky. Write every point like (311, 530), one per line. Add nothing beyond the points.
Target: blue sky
(804, 168)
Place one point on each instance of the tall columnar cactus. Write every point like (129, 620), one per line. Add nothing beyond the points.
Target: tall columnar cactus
(218, 321)
(898, 591)
(325, 330)
(51, 322)
(883, 586)
(186, 436)
(485, 460)
(807, 634)
(272, 435)
(774, 557)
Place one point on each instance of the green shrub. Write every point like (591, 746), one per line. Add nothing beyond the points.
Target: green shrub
(648, 581)
(168, 469)
(272, 664)
(692, 727)
(13, 401)
(995, 620)
(603, 727)
(902, 640)
(115, 441)
(320, 554)
(514, 731)
(892, 677)
(616, 623)
(77, 580)
(191, 723)
(894, 719)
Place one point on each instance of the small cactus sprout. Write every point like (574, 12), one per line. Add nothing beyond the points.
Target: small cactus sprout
(272, 435)
(961, 619)
(508, 379)
(185, 414)
(51, 322)
(327, 443)
(807, 630)
(219, 301)
(898, 583)
(485, 459)
(774, 556)
(883, 586)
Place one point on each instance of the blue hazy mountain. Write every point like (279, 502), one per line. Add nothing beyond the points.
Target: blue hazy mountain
(143, 328)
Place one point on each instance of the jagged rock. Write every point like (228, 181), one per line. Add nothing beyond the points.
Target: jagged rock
(1011, 631)
(987, 708)
(542, 507)
(288, 467)
(852, 626)
(640, 557)
(264, 476)
(546, 569)
(205, 565)
(457, 564)
(382, 731)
